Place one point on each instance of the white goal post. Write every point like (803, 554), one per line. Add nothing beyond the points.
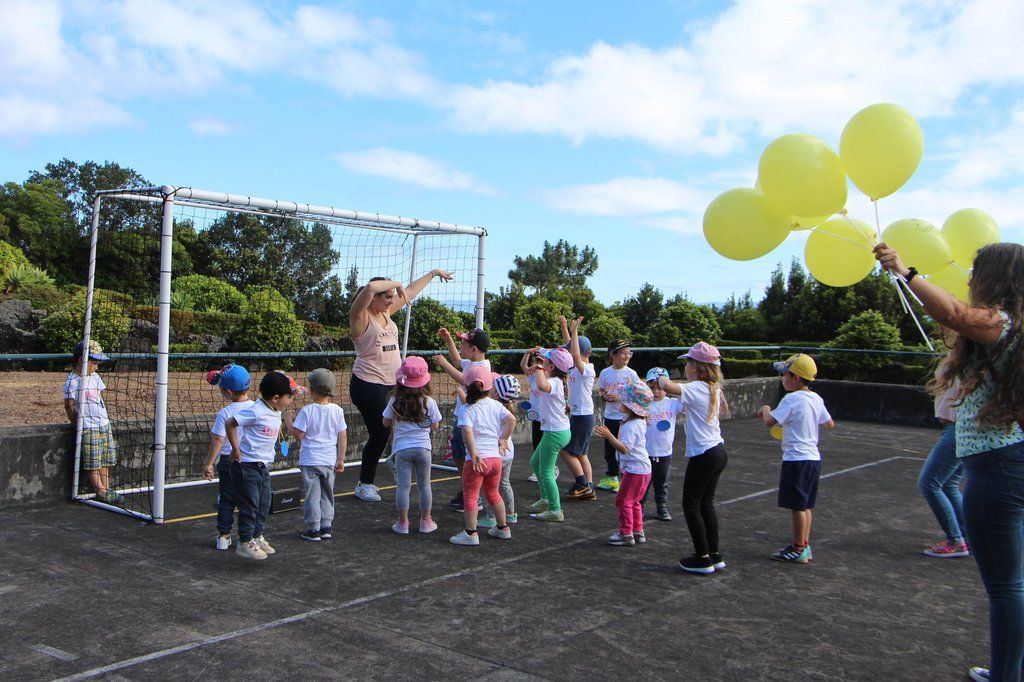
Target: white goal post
(166, 203)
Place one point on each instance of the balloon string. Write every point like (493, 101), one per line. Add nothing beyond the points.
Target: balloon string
(869, 247)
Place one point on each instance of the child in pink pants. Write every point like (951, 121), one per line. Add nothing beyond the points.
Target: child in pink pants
(631, 444)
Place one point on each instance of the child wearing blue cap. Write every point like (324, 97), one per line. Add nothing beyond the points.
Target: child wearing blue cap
(83, 402)
(233, 381)
(661, 436)
(581, 379)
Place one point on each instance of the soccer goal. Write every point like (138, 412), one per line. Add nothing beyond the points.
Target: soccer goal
(297, 267)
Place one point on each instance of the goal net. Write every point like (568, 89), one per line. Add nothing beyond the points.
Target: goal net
(182, 281)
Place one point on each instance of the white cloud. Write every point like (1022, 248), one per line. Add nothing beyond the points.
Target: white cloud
(206, 126)
(989, 156)
(761, 66)
(627, 196)
(57, 57)
(412, 168)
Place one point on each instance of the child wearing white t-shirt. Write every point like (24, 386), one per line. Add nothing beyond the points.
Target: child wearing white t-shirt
(661, 436)
(611, 380)
(702, 399)
(322, 433)
(233, 382)
(84, 406)
(487, 429)
(800, 413)
(506, 390)
(581, 379)
(415, 416)
(253, 434)
(470, 352)
(548, 396)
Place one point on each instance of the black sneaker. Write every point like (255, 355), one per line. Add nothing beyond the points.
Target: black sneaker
(663, 514)
(456, 503)
(581, 492)
(697, 564)
(718, 561)
(311, 535)
(325, 533)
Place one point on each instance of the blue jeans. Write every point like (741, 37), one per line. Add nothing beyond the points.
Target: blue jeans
(940, 485)
(252, 495)
(225, 496)
(994, 512)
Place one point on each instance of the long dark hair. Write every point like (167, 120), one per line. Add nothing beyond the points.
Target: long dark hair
(475, 392)
(997, 284)
(410, 403)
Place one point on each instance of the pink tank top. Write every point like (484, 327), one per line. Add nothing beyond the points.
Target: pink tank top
(377, 353)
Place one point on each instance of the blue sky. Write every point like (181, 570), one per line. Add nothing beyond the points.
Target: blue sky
(600, 123)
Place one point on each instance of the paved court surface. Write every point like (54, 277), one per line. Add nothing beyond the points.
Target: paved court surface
(86, 594)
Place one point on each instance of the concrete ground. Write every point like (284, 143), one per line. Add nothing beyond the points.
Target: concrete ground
(86, 594)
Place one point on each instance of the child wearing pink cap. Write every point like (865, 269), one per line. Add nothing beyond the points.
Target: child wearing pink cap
(486, 427)
(702, 400)
(547, 383)
(414, 415)
(634, 398)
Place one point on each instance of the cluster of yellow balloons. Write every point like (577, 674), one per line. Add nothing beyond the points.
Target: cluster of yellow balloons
(802, 184)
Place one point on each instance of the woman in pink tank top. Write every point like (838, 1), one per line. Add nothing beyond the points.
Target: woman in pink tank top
(378, 356)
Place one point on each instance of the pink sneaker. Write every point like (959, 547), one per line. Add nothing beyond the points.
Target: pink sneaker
(401, 527)
(427, 526)
(946, 549)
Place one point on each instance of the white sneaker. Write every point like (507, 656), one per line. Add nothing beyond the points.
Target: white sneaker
(532, 478)
(557, 473)
(250, 550)
(262, 543)
(367, 492)
(496, 532)
(223, 541)
(465, 538)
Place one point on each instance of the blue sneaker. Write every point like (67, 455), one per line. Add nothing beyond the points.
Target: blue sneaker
(486, 522)
(791, 554)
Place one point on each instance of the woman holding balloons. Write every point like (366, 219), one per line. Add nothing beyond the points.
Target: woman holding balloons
(988, 361)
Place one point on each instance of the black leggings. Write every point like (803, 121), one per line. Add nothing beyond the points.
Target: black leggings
(660, 469)
(371, 399)
(702, 474)
(610, 453)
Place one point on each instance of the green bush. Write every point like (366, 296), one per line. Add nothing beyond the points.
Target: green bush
(124, 301)
(428, 315)
(744, 354)
(43, 297)
(62, 329)
(735, 368)
(693, 322)
(210, 293)
(181, 300)
(335, 331)
(536, 323)
(266, 298)
(215, 323)
(604, 329)
(865, 331)
(185, 348)
(21, 276)
(314, 329)
(10, 257)
(268, 330)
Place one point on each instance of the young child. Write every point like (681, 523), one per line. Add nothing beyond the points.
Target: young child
(609, 382)
(472, 349)
(634, 399)
(548, 395)
(487, 428)
(506, 390)
(703, 401)
(800, 413)
(233, 381)
(323, 437)
(83, 399)
(253, 434)
(661, 436)
(414, 415)
(581, 412)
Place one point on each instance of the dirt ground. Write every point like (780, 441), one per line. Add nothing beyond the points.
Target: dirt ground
(31, 398)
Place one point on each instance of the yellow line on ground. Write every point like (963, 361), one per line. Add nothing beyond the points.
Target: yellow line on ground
(210, 515)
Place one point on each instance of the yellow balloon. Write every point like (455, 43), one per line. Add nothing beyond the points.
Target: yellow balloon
(838, 252)
(804, 223)
(776, 432)
(881, 147)
(953, 279)
(802, 176)
(968, 230)
(920, 244)
(740, 224)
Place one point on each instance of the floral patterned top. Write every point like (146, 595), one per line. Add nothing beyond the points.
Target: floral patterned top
(972, 438)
